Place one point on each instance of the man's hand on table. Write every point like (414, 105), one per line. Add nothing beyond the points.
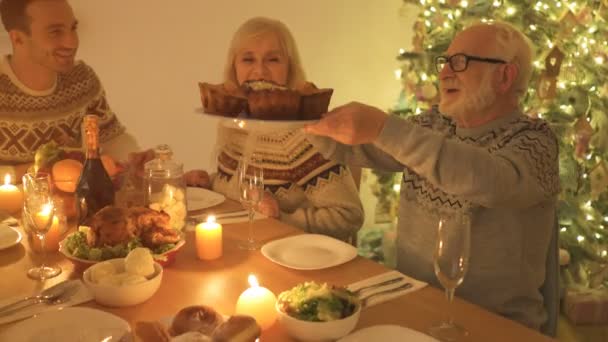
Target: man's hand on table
(198, 178)
(269, 206)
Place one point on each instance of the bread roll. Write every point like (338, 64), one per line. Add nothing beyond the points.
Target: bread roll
(151, 332)
(201, 318)
(238, 328)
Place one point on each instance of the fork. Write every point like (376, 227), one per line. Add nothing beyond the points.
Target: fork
(365, 301)
(386, 282)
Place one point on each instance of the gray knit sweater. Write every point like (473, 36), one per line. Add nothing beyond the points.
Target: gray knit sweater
(504, 174)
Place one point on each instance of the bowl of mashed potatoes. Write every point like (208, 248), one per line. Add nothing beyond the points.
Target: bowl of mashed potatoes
(124, 281)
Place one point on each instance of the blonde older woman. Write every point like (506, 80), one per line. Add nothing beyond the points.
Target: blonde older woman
(302, 188)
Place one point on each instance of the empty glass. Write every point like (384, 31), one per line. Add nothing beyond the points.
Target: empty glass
(38, 215)
(451, 261)
(251, 191)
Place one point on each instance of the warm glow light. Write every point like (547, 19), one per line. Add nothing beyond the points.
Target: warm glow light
(589, 217)
(533, 27)
(564, 229)
(464, 4)
(598, 236)
(401, 51)
(580, 238)
(606, 218)
(511, 10)
(7, 179)
(253, 281)
(398, 73)
(46, 209)
(599, 60)
(396, 187)
(211, 219)
(604, 253)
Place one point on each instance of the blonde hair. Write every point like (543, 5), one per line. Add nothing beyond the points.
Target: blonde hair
(254, 28)
(516, 48)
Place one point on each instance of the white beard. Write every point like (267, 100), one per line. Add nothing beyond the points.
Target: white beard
(471, 102)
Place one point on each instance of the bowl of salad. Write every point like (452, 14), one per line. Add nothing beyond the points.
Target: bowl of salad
(76, 248)
(318, 312)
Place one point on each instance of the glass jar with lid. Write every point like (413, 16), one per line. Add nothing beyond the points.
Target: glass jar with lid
(164, 186)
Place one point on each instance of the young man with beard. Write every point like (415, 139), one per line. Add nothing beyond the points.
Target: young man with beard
(44, 91)
(479, 156)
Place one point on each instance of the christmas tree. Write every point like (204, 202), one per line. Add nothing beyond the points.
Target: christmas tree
(568, 89)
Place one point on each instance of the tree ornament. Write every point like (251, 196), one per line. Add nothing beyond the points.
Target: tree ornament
(582, 135)
(419, 34)
(564, 257)
(547, 86)
(568, 23)
(598, 177)
(585, 16)
(427, 92)
(553, 62)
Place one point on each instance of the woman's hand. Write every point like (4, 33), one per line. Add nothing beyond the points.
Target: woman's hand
(198, 178)
(269, 206)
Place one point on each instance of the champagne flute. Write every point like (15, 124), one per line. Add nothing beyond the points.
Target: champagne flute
(451, 260)
(38, 215)
(251, 191)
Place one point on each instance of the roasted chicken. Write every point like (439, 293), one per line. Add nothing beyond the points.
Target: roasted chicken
(112, 225)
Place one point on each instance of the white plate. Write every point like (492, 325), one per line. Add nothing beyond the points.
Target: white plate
(309, 252)
(257, 124)
(73, 324)
(199, 198)
(9, 236)
(387, 333)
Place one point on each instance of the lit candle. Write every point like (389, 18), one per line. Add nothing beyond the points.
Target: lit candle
(52, 236)
(209, 239)
(259, 303)
(11, 198)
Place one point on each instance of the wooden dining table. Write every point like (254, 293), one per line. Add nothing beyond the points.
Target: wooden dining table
(218, 283)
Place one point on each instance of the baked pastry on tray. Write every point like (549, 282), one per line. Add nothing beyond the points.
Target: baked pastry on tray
(270, 101)
(221, 100)
(265, 100)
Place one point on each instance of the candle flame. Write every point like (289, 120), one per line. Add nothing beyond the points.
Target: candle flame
(210, 219)
(46, 209)
(253, 281)
(7, 179)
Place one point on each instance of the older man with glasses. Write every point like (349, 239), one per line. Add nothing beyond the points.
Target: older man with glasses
(479, 155)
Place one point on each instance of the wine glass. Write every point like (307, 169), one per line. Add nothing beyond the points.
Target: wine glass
(38, 215)
(251, 192)
(451, 260)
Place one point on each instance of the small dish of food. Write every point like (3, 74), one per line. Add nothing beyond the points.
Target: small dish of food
(318, 312)
(124, 281)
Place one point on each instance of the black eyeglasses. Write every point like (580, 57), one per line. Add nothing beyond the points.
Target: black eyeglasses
(459, 62)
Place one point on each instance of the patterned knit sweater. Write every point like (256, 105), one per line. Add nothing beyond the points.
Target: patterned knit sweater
(30, 118)
(314, 194)
(504, 174)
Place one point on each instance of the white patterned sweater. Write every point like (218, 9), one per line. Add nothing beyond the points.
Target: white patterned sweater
(314, 194)
(30, 118)
(503, 174)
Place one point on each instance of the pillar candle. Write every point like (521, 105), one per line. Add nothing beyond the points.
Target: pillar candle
(11, 197)
(259, 303)
(209, 239)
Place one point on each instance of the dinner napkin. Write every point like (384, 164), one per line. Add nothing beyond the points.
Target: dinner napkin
(416, 285)
(81, 295)
(236, 217)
